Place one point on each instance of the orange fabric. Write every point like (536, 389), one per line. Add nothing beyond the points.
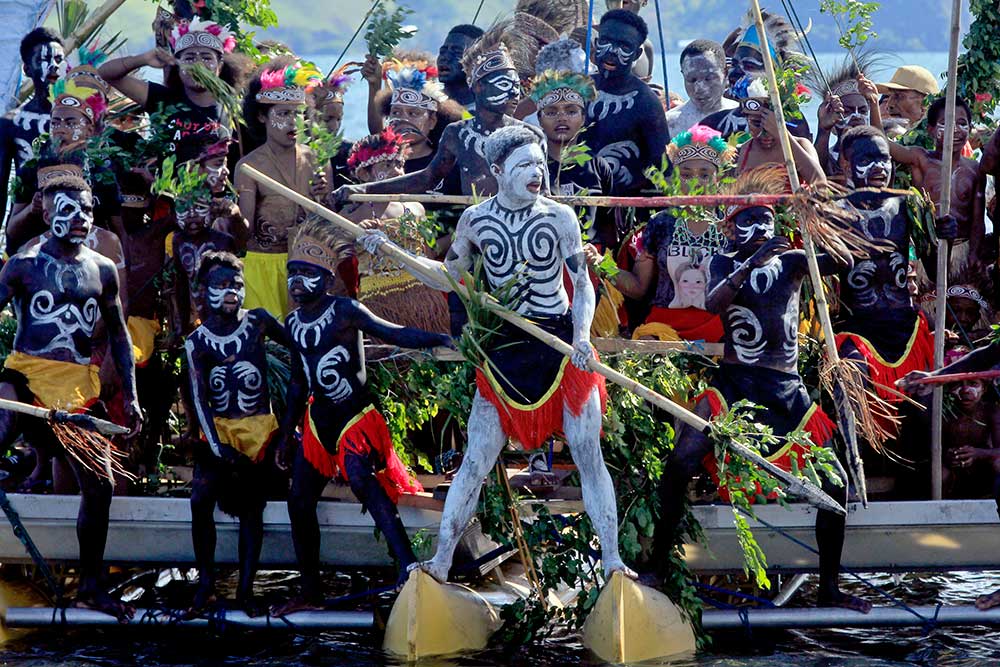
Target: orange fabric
(689, 323)
(366, 432)
(817, 424)
(919, 356)
(533, 425)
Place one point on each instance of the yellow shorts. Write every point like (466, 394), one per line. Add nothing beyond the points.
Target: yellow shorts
(58, 384)
(143, 332)
(266, 276)
(248, 435)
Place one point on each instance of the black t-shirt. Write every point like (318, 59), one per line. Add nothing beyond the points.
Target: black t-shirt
(189, 119)
(338, 165)
(595, 177)
(732, 121)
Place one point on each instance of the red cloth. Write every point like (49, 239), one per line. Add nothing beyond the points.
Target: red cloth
(918, 356)
(816, 423)
(689, 323)
(366, 432)
(533, 425)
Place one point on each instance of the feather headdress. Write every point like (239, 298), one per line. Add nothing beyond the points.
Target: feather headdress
(490, 53)
(555, 87)
(843, 80)
(414, 84)
(288, 85)
(701, 143)
(72, 94)
(198, 32)
(333, 89)
(782, 38)
(381, 147)
(562, 16)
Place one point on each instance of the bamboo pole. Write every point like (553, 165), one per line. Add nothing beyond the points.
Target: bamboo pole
(436, 274)
(600, 202)
(80, 35)
(844, 412)
(85, 421)
(937, 403)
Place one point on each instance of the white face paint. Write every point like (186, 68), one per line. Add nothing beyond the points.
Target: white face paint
(217, 296)
(704, 81)
(523, 173)
(51, 61)
(500, 89)
(71, 212)
(305, 282)
(195, 217)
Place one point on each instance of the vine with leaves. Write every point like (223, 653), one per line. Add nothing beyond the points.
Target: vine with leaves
(979, 66)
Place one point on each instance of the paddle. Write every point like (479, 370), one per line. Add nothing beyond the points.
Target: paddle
(435, 273)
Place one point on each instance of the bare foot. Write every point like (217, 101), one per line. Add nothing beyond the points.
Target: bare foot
(298, 603)
(251, 606)
(439, 572)
(845, 601)
(984, 602)
(611, 567)
(103, 602)
(204, 598)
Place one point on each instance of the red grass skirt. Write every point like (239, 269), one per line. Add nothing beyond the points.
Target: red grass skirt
(366, 432)
(689, 323)
(533, 424)
(815, 422)
(918, 356)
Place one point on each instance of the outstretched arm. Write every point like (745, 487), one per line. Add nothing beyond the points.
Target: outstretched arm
(272, 328)
(421, 181)
(394, 334)
(981, 359)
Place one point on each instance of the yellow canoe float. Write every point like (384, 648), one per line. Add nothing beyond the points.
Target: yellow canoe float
(633, 623)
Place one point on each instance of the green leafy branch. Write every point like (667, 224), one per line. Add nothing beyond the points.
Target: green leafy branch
(854, 20)
(386, 30)
(221, 91)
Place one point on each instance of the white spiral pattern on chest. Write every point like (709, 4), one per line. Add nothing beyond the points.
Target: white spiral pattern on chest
(767, 273)
(527, 250)
(68, 320)
(328, 377)
(249, 388)
(218, 389)
(747, 334)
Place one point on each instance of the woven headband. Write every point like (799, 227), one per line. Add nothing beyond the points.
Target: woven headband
(696, 151)
(560, 95)
(413, 98)
(849, 87)
(491, 61)
(288, 95)
(47, 175)
(309, 250)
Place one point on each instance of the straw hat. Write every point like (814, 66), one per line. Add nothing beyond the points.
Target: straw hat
(911, 77)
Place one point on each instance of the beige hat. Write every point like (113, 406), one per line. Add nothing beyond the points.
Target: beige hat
(911, 77)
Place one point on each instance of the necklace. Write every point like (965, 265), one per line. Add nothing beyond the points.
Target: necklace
(302, 330)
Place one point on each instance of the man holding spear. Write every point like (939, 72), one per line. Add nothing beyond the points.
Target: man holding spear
(63, 293)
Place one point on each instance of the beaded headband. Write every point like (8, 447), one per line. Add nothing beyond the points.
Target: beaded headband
(497, 60)
(310, 250)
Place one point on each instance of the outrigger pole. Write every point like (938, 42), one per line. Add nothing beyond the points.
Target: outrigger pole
(941, 300)
(437, 275)
(845, 413)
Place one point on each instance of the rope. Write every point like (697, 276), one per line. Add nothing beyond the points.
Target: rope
(21, 533)
(790, 12)
(354, 36)
(663, 52)
(928, 623)
(476, 17)
(745, 596)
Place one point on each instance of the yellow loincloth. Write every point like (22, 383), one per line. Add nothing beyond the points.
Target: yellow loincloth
(143, 332)
(58, 384)
(248, 435)
(659, 330)
(266, 277)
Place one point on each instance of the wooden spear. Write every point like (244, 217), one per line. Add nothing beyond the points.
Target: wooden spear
(951, 378)
(436, 274)
(84, 421)
(845, 414)
(941, 300)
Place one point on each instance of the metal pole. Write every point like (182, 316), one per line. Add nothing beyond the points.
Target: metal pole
(827, 617)
(40, 617)
(937, 404)
(590, 31)
(663, 52)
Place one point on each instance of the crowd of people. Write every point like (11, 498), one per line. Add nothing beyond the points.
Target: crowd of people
(136, 225)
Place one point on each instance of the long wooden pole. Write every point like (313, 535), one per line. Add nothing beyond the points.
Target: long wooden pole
(85, 421)
(598, 201)
(844, 412)
(937, 404)
(436, 274)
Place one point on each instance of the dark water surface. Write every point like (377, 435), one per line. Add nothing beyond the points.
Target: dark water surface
(156, 647)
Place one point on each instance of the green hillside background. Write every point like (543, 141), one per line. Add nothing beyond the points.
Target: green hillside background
(317, 27)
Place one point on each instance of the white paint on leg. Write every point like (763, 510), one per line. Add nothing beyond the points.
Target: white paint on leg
(486, 439)
(583, 433)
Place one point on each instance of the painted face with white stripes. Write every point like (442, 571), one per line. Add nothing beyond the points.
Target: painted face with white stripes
(754, 226)
(70, 214)
(522, 174)
(224, 291)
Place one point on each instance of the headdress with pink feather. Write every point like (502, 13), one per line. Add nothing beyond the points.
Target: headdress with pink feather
(198, 32)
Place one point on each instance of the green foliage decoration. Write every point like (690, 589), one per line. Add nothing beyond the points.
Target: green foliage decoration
(979, 66)
(386, 30)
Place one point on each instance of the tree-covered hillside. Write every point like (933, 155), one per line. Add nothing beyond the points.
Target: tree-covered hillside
(317, 26)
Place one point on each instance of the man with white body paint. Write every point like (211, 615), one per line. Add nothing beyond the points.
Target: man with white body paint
(527, 390)
(44, 61)
(63, 293)
(703, 64)
(227, 362)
